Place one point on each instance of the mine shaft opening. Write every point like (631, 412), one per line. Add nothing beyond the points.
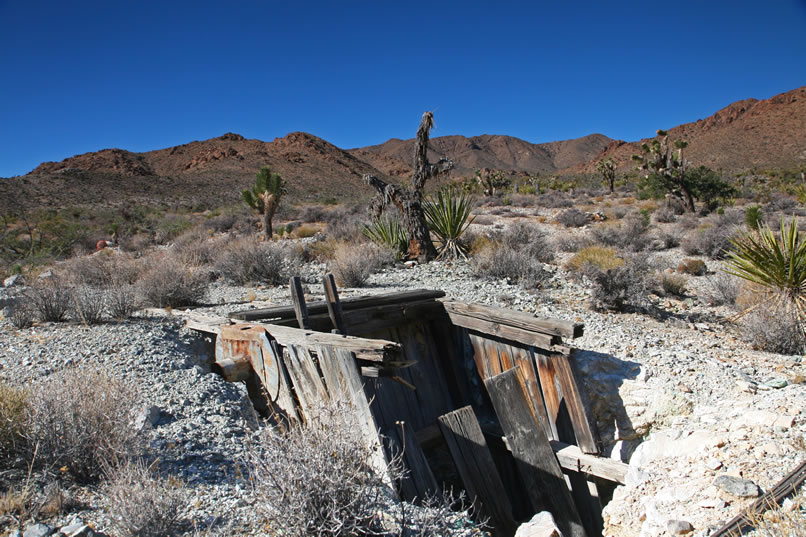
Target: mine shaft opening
(473, 398)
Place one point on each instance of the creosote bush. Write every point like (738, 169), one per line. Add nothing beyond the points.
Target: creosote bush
(141, 503)
(89, 304)
(713, 239)
(516, 254)
(723, 289)
(629, 234)
(772, 328)
(572, 218)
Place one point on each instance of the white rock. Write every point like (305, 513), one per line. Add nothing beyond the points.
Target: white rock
(541, 525)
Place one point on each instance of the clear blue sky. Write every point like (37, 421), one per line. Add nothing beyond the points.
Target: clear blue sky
(82, 76)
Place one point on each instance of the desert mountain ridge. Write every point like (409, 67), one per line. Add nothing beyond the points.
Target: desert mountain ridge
(746, 134)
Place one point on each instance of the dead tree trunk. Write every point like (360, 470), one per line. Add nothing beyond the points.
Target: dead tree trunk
(410, 201)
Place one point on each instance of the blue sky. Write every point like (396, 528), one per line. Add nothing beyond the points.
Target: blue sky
(83, 76)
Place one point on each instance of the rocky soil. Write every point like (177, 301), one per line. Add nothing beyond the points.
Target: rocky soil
(705, 422)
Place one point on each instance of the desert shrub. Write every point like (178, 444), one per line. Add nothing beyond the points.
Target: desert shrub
(553, 200)
(753, 217)
(695, 267)
(122, 301)
(304, 231)
(140, 503)
(137, 243)
(618, 289)
(13, 402)
(530, 240)
(484, 220)
(51, 299)
(89, 303)
(772, 328)
(723, 289)
(781, 203)
(195, 248)
(94, 270)
(167, 282)
(665, 215)
(712, 240)
(79, 421)
(20, 310)
(345, 224)
(220, 224)
(317, 479)
(313, 213)
(688, 221)
(598, 257)
(673, 285)
(353, 264)
(630, 234)
(572, 218)
(248, 260)
(499, 263)
(572, 242)
(664, 240)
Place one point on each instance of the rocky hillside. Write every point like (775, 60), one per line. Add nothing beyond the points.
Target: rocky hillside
(747, 134)
(487, 151)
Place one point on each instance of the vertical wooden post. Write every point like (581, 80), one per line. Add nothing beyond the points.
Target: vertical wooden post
(298, 298)
(333, 303)
(530, 446)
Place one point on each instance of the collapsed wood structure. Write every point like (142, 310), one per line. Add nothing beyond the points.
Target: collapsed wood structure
(479, 398)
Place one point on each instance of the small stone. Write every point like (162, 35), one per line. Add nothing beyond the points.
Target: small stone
(541, 525)
(679, 527)
(776, 383)
(70, 528)
(11, 280)
(713, 464)
(736, 486)
(45, 275)
(146, 418)
(684, 388)
(712, 503)
(747, 386)
(81, 531)
(38, 530)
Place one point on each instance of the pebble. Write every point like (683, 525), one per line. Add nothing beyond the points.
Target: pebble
(679, 527)
(736, 486)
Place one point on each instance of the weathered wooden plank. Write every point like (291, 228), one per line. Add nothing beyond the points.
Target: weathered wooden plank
(344, 384)
(374, 350)
(503, 331)
(783, 489)
(480, 355)
(572, 458)
(307, 383)
(347, 304)
(285, 398)
(298, 301)
(540, 470)
(334, 309)
(515, 319)
(564, 401)
(524, 360)
(476, 468)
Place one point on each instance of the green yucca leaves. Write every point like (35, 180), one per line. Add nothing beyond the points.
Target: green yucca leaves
(777, 264)
(448, 216)
(388, 232)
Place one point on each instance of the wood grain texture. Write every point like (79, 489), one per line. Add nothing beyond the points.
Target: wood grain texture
(515, 319)
(539, 468)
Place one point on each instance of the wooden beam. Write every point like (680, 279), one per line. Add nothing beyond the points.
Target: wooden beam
(516, 319)
(334, 309)
(373, 350)
(503, 331)
(420, 482)
(347, 304)
(572, 458)
(539, 469)
(298, 301)
(475, 465)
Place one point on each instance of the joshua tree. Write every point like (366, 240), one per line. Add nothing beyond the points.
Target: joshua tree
(608, 170)
(666, 168)
(410, 201)
(265, 196)
(490, 180)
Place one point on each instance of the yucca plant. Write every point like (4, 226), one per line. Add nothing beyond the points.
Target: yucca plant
(777, 264)
(448, 216)
(387, 231)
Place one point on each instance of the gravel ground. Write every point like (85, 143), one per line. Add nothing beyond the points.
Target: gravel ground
(676, 392)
